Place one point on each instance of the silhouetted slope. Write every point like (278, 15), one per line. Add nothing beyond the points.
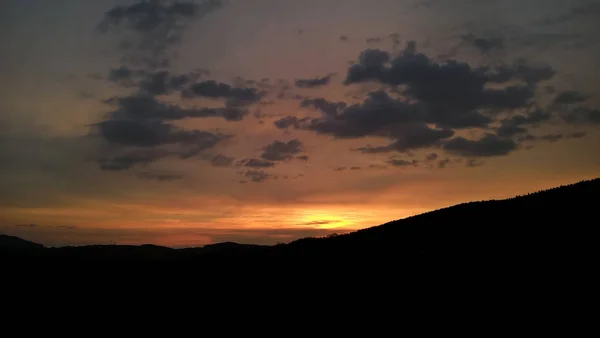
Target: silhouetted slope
(556, 226)
(12, 242)
(556, 223)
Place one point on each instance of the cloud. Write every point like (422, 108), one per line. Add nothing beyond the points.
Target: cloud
(487, 146)
(316, 223)
(256, 163)
(235, 96)
(315, 82)
(27, 225)
(257, 176)
(582, 116)
(484, 45)
(150, 27)
(444, 163)
(280, 151)
(570, 97)
(141, 107)
(552, 137)
(130, 159)
(431, 157)
(221, 161)
(160, 177)
(515, 124)
(402, 163)
(588, 10)
(326, 107)
(411, 137)
(451, 94)
(154, 133)
(433, 100)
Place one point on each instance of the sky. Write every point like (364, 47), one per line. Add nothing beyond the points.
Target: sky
(185, 123)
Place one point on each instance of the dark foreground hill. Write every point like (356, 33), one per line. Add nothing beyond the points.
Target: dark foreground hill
(547, 228)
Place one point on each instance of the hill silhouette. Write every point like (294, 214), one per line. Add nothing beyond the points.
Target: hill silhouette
(550, 227)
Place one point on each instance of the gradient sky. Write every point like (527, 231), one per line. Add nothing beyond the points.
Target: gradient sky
(262, 121)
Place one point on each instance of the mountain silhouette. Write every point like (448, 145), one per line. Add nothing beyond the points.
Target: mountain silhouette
(550, 227)
(12, 242)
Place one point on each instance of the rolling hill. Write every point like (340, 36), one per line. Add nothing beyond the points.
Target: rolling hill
(555, 226)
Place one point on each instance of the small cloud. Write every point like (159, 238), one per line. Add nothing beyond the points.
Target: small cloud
(27, 225)
(221, 161)
(160, 177)
(66, 227)
(257, 176)
(315, 223)
(315, 82)
(402, 163)
(280, 151)
(472, 163)
(256, 163)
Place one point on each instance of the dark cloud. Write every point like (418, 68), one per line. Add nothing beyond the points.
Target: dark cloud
(256, 163)
(148, 108)
(154, 133)
(302, 157)
(314, 83)
(576, 135)
(130, 159)
(444, 163)
(437, 98)
(402, 163)
(27, 225)
(374, 40)
(473, 163)
(589, 10)
(517, 123)
(487, 146)
(149, 27)
(582, 116)
(280, 151)
(431, 157)
(221, 161)
(453, 94)
(328, 108)
(66, 227)
(343, 38)
(319, 223)
(153, 82)
(570, 97)
(376, 116)
(235, 96)
(520, 70)
(160, 177)
(411, 137)
(484, 45)
(257, 175)
(552, 137)
(289, 121)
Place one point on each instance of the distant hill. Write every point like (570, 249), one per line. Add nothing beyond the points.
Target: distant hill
(555, 226)
(12, 242)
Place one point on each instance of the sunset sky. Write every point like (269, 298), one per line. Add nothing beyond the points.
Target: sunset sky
(263, 121)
